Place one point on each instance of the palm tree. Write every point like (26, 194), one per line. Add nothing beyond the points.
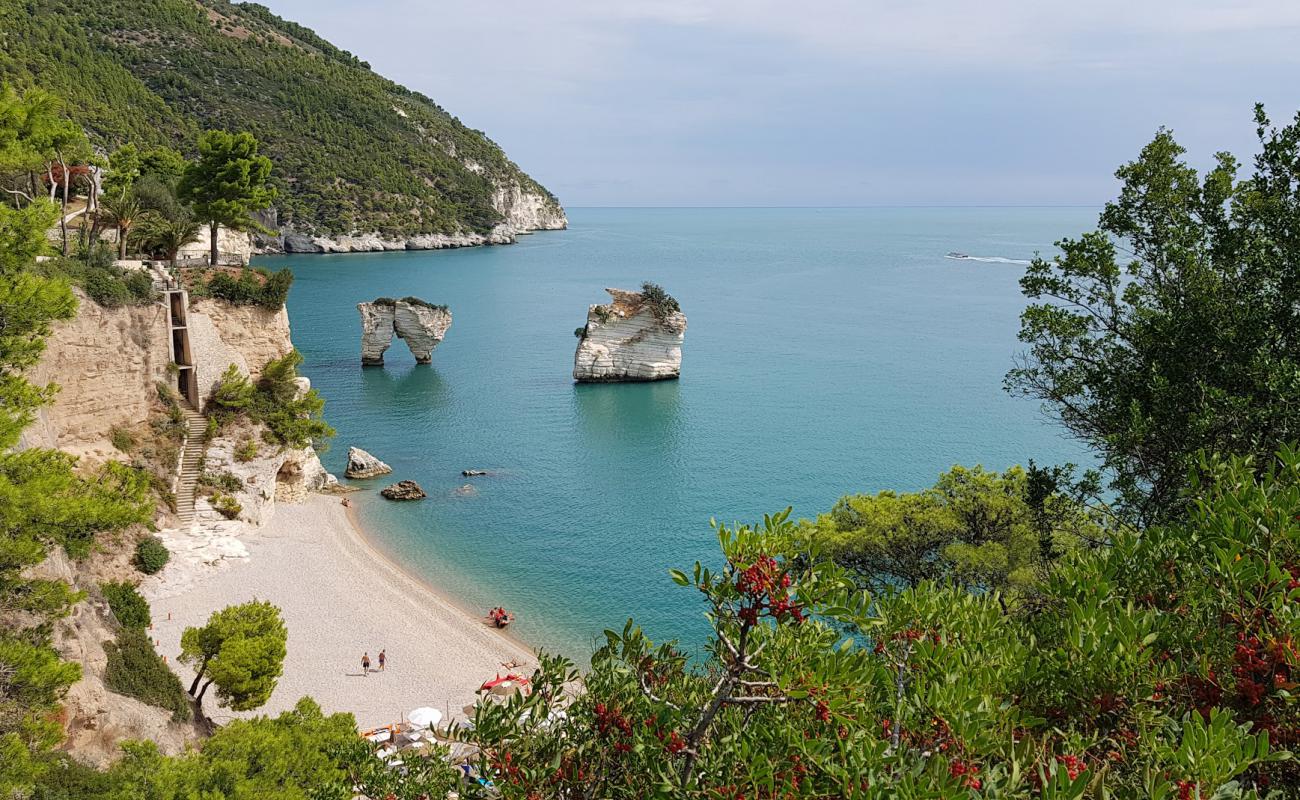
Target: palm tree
(168, 234)
(124, 211)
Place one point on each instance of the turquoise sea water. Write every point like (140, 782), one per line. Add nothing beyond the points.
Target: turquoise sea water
(829, 351)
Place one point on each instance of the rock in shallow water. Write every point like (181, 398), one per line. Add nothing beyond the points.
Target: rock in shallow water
(625, 340)
(403, 490)
(363, 465)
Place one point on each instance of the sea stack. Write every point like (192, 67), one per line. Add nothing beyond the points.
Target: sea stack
(635, 337)
(422, 325)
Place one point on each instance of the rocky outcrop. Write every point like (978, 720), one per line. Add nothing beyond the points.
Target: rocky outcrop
(363, 465)
(525, 210)
(629, 339)
(106, 363)
(421, 325)
(271, 475)
(223, 333)
(291, 241)
(522, 210)
(376, 331)
(403, 490)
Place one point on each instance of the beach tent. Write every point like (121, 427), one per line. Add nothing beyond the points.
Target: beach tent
(424, 717)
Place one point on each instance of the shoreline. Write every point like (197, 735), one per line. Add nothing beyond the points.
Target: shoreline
(339, 596)
(366, 540)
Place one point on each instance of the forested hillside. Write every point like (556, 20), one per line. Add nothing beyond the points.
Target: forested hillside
(354, 151)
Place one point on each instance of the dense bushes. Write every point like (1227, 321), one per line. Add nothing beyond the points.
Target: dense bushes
(151, 555)
(108, 285)
(660, 302)
(135, 670)
(1160, 667)
(292, 417)
(130, 609)
(253, 287)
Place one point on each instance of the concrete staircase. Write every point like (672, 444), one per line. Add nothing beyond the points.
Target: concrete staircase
(196, 426)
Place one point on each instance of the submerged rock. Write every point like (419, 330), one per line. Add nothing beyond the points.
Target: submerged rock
(363, 465)
(403, 490)
(467, 490)
(632, 338)
(420, 324)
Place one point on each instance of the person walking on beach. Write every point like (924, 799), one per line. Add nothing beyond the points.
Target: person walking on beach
(383, 659)
(365, 664)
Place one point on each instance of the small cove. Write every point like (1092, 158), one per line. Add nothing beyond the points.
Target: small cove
(829, 351)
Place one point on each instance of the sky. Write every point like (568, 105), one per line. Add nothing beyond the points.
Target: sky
(833, 102)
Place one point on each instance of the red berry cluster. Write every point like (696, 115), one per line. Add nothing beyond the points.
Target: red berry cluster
(1186, 789)
(1073, 765)
(503, 764)
(968, 771)
(765, 588)
(1261, 668)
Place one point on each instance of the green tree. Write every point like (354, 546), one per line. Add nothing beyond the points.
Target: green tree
(124, 212)
(1159, 667)
(229, 181)
(984, 530)
(44, 502)
(299, 754)
(1172, 328)
(167, 235)
(241, 649)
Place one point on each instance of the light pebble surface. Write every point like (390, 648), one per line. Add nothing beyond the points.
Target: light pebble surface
(340, 598)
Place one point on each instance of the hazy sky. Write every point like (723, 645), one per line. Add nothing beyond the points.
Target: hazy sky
(832, 102)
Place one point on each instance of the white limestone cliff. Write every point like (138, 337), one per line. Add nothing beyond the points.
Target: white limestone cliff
(625, 340)
(376, 331)
(421, 325)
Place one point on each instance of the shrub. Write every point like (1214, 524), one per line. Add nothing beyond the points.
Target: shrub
(151, 555)
(222, 481)
(135, 670)
(106, 288)
(121, 438)
(226, 506)
(580, 332)
(660, 302)
(251, 288)
(246, 451)
(131, 610)
(415, 301)
(234, 392)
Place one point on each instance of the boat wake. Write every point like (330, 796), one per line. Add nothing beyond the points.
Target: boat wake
(988, 259)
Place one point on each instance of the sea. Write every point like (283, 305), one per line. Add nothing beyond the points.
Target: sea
(828, 352)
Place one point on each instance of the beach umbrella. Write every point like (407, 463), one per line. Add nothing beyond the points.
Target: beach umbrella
(424, 717)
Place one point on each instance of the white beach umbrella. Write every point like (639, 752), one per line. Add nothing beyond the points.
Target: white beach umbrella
(424, 717)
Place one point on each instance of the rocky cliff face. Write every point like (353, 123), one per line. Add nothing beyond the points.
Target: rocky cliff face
(106, 363)
(624, 340)
(522, 211)
(421, 325)
(222, 334)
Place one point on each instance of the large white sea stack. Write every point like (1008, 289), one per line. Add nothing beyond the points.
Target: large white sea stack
(421, 325)
(629, 339)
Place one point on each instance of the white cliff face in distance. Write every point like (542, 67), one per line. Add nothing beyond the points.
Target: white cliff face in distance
(421, 325)
(625, 340)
